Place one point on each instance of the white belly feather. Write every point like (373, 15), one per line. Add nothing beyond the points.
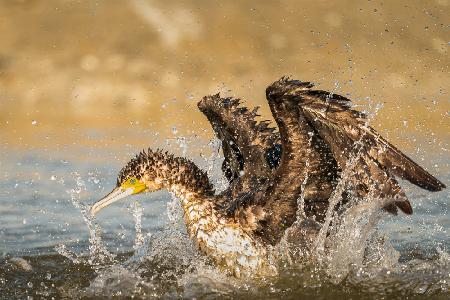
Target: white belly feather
(225, 242)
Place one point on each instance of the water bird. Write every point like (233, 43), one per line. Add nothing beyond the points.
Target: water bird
(320, 139)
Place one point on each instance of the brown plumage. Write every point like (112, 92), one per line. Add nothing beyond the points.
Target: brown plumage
(163, 167)
(243, 140)
(319, 136)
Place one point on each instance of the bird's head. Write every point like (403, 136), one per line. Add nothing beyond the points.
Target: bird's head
(136, 177)
(155, 170)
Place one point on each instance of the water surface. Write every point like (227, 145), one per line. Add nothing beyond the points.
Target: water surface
(49, 249)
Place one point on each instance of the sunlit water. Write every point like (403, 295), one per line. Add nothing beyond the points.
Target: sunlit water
(50, 247)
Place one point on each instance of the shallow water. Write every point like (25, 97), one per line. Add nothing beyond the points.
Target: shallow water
(139, 248)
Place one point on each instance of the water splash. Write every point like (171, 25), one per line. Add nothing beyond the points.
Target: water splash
(138, 211)
(98, 253)
(213, 163)
(349, 250)
(166, 256)
(330, 215)
(344, 238)
(174, 211)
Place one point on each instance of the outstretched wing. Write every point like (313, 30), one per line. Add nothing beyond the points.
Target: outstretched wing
(307, 171)
(249, 147)
(348, 136)
(321, 136)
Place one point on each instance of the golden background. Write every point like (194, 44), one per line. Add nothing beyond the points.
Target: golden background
(141, 65)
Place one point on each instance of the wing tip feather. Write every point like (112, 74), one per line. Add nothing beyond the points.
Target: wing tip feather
(425, 180)
(435, 186)
(286, 85)
(404, 206)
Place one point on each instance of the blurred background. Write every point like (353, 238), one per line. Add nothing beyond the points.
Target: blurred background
(85, 85)
(80, 72)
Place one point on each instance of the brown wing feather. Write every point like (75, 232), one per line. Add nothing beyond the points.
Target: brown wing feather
(244, 140)
(367, 171)
(307, 169)
(320, 134)
(332, 111)
(347, 134)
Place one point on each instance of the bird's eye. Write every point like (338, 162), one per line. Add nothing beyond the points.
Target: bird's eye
(132, 181)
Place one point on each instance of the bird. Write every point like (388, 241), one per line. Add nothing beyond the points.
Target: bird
(318, 139)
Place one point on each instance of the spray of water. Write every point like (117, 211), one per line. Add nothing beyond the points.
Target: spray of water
(139, 239)
(347, 246)
(344, 239)
(98, 253)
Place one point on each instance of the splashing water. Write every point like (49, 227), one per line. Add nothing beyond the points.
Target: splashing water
(349, 250)
(344, 238)
(213, 163)
(138, 211)
(98, 254)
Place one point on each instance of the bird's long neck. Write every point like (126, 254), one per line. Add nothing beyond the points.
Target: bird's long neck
(188, 182)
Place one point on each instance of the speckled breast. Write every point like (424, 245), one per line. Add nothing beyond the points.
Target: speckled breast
(225, 242)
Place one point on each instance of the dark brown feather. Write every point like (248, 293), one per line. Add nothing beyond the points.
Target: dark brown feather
(244, 140)
(347, 135)
(337, 116)
(320, 136)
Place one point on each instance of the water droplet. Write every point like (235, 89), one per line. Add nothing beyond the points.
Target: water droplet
(30, 285)
(24, 221)
(53, 178)
(34, 122)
